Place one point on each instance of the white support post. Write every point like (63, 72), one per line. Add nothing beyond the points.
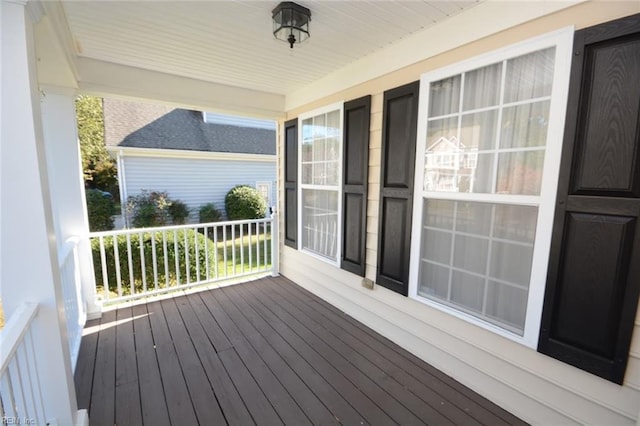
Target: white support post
(28, 257)
(67, 183)
(275, 266)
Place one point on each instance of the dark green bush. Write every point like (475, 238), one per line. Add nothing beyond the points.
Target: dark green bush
(179, 212)
(176, 248)
(149, 209)
(244, 202)
(209, 213)
(100, 209)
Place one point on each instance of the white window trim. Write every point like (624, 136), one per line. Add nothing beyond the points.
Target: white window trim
(310, 114)
(562, 40)
(269, 190)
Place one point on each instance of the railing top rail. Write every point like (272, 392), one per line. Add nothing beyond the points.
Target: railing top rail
(172, 227)
(14, 331)
(67, 248)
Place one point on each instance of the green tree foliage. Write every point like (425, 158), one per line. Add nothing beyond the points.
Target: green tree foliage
(244, 202)
(98, 167)
(100, 209)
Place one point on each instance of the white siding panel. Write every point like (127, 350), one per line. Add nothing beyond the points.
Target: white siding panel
(195, 182)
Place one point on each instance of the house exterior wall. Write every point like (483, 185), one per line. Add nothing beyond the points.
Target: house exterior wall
(195, 181)
(539, 389)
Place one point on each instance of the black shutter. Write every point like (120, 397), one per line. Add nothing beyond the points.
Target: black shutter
(594, 268)
(291, 183)
(357, 114)
(399, 127)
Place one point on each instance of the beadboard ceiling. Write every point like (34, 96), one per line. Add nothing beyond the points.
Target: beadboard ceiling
(231, 42)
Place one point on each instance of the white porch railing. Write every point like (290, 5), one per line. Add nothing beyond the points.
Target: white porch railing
(136, 263)
(20, 396)
(74, 302)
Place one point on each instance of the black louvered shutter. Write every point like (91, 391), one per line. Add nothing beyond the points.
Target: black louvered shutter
(399, 128)
(291, 183)
(357, 115)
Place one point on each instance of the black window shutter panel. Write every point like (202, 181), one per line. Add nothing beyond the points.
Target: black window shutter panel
(291, 183)
(399, 127)
(357, 115)
(593, 281)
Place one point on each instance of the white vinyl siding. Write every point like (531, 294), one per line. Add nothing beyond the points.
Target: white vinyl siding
(194, 181)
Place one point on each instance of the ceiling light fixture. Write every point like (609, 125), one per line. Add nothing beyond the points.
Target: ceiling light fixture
(291, 22)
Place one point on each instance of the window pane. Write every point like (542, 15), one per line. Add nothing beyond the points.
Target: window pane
(442, 135)
(474, 218)
(470, 254)
(478, 131)
(520, 172)
(439, 213)
(444, 96)
(434, 282)
(529, 76)
(467, 290)
(307, 173)
(320, 222)
(307, 130)
(511, 262)
(436, 246)
(516, 223)
(482, 87)
(507, 304)
(451, 173)
(525, 125)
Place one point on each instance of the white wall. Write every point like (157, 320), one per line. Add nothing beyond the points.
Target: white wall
(195, 181)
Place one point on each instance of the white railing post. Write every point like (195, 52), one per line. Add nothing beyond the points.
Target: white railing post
(275, 267)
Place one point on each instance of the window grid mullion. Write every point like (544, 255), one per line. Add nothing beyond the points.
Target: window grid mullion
(494, 177)
(453, 246)
(487, 266)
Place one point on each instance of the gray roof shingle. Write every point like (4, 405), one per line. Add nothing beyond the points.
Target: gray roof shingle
(141, 125)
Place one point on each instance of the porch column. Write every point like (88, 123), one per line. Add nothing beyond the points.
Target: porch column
(66, 182)
(28, 258)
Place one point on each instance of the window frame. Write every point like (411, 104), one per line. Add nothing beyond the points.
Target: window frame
(337, 106)
(562, 40)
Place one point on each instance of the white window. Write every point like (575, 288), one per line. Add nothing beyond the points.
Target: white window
(264, 188)
(320, 161)
(482, 231)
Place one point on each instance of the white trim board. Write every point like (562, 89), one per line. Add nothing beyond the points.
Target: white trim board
(179, 153)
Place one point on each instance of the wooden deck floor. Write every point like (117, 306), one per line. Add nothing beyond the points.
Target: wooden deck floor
(264, 352)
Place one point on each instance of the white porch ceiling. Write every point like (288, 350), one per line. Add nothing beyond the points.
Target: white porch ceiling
(231, 42)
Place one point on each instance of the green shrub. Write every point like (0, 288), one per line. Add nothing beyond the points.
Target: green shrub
(149, 209)
(244, 202)
(209, 213)
(176, 248)
(179, 212)
(100, 209)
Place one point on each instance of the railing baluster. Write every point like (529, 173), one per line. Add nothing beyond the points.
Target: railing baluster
(33, 384)
(250, 247)
(206, 251)
(40, 400)
(176, 256)
(266, 256)
(142, 262)
(130, 259)
(116, 254)
(197, 244)
(154, 260)
(215, 253)
(105, 275)
(224, 242)
(257, 246)
(8, 386)
(186, 257)
(242, 248)
(233, 248)
(166, 258)
(21, 400)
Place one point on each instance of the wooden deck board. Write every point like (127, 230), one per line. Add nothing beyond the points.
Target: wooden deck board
(263, 352)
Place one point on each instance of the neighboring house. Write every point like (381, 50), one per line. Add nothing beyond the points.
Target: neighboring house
(526, 289)
(195, 157)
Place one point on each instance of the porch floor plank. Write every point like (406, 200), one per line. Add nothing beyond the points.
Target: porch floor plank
(263, 352)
